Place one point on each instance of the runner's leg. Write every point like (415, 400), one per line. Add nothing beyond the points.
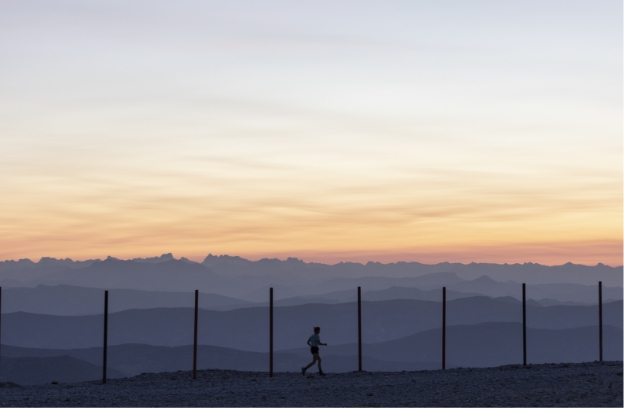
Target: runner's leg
(314, 357)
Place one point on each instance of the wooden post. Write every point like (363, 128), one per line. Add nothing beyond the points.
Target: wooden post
(195, 335)
(524, 354)
(271, 332)
(105, 336)
(359, 328)
(444, 328)
(600, 317)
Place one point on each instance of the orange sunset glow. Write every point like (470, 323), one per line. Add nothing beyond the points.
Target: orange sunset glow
(319, 133)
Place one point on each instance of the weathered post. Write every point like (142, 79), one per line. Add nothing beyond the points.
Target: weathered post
(105, 336)
(524, 359)
(359, 328)
(600, 317)
(195, 335)
(444, 327)
(271, 332)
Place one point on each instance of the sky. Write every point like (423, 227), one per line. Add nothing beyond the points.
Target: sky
(430, 131)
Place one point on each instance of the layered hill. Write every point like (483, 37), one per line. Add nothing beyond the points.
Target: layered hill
(480, 345)
(77, 300)
(67, 300)
(249, 280)
(491, 344)
(59, 367)
(247, 328)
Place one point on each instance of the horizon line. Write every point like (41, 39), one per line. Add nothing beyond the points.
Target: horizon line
(300, 260)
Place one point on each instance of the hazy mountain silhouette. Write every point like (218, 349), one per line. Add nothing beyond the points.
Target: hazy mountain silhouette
(345, 288)
(559, 293)
(182, 276)
(527, 272)
(76, 300)
(247, 328)
(235, 276)
(151, 303)
(392, 293)
(28, 273)
(172, 275)
(484, 285)
(491, 344)
(26, 370)
(480, 345)
(133, 359)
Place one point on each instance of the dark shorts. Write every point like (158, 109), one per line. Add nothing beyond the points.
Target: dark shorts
(313, 350)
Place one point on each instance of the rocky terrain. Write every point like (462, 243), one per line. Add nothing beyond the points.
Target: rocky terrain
(582, 384)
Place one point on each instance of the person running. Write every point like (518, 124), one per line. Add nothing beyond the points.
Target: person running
(314, 342)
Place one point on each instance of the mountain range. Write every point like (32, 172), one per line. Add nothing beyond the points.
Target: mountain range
(77, 300)
(52, 314)
(248, 280)
(247, 328)
(480, 345)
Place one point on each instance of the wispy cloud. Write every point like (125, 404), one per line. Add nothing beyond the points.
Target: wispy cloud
(360, 130)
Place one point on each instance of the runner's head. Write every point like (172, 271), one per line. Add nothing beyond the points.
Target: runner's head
(317, 330)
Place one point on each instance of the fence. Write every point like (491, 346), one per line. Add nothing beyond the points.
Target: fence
(359, 333)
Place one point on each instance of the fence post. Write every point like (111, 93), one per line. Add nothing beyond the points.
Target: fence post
(524, 354)
(195, 335)
(271, 332)
(600, 317)
(105, 336)
(359, 328)
(444, 327)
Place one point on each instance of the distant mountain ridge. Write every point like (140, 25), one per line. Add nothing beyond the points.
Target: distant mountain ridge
(247, 328)
(249, 280)
(67, 300)
(134, 359)
(60, 367)
(232, 266)
(479, 345)
(53, 308)
(491, 344)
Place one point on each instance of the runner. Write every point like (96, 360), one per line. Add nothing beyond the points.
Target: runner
(314, 342)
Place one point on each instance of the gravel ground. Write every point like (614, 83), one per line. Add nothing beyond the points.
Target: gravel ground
(585, 384)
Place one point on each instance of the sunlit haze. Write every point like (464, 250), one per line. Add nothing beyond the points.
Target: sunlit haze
(431, 131)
